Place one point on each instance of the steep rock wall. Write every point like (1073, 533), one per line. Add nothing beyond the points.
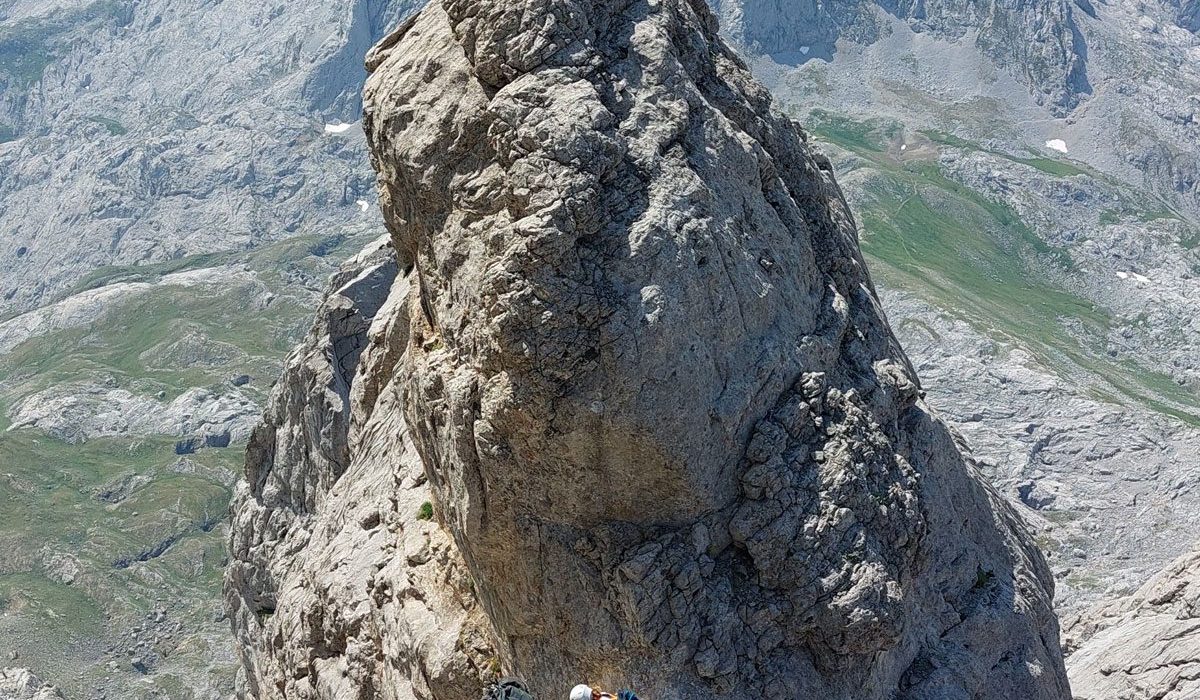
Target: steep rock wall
(668, 435)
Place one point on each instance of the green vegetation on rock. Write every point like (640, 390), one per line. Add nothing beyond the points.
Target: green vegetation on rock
(114, 127)
(975, 257)
(28, 46)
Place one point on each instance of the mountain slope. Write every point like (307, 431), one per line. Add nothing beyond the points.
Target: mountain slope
(143, 132)
(1144, 646)
(1038, 42)
(124, 411)
(154, 156)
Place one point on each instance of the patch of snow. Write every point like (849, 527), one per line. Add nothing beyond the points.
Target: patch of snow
(1123, 275)
(1141, 278)
(904, 146)
(1057, 145)
(362, 204)
(337, 128)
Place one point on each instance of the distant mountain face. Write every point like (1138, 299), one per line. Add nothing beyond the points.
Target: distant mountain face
(1127, 74)
(141, 132)
(152, 154)
(1037, 41)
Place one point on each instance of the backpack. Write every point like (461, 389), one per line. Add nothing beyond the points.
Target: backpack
(507, 689)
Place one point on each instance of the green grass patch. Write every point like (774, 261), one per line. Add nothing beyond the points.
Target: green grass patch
(948, 139)
(1051, 166)
(1146, 216)
(963, 254)
(24, 54)
(62, 610)
(976, 258)
(144, 527)
(1191, 240)
(173, 337)
(115, 128)
(56, 503)
(852, 134)
(112, 274)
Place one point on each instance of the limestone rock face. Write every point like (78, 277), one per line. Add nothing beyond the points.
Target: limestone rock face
(337, 589)
(1145, 646)
(20, 684)
(634, 361)
(142, 132)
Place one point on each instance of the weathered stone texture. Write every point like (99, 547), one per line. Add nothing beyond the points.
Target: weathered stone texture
(668, 436)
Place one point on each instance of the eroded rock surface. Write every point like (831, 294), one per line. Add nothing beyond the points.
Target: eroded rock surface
(634, 361)
(142, 132)
(372, 599)
(20, 684)
(1145, 646)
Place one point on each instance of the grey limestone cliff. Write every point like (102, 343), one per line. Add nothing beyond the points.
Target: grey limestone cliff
(1189, 15)
(140, 132)
(633, 360)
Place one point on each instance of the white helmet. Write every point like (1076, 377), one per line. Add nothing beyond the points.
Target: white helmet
(581, 692)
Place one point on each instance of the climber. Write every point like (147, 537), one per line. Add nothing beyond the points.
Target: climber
(584, 692)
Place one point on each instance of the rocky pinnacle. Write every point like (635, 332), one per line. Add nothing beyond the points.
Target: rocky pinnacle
(634, 360)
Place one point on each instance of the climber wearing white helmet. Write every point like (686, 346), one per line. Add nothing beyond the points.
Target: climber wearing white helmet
(585, 692)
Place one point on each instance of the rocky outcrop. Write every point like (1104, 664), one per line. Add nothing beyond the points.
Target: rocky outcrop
(20, 684)
(1144, 646)
(340, 586)
(1038, 42)
(634, 368)
(78, 413)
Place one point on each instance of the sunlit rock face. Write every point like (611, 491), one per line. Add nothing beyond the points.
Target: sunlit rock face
(633, 358)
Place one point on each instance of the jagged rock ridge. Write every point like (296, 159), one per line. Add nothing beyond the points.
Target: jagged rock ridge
(331, 489)
(633, 358)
